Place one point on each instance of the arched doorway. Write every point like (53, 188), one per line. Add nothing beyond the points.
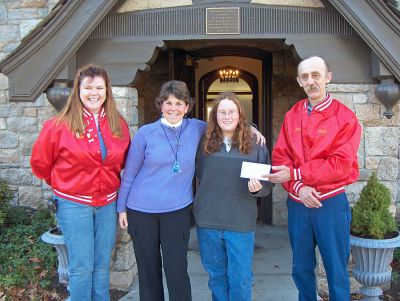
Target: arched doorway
(198, 67)
(246, 88)
(253, 88)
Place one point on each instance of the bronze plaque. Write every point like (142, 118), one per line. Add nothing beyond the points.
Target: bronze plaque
(222, 20)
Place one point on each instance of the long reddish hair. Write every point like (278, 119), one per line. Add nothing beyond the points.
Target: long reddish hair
(214, 136)
(72, 113)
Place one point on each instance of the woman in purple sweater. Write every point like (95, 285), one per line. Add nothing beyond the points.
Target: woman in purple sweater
(156, 192)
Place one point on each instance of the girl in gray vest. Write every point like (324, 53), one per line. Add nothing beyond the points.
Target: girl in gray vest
(225, 206)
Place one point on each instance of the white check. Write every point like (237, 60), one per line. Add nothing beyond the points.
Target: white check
(255, 170)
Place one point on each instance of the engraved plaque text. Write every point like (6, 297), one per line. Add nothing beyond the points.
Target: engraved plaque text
(222, 20)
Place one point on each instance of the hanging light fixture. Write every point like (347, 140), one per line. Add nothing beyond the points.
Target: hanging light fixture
(228, 75)
(388, 93)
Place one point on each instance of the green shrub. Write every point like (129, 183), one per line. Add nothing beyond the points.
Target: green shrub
(6, 196)
(18, 215)
(371, 217)
(25, 261)
(396, 254)
(2, 217)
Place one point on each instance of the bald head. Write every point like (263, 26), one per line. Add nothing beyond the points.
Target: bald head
(313, 75)
(317, 58)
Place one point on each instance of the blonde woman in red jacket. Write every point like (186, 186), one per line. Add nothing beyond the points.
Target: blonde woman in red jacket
(80, 154)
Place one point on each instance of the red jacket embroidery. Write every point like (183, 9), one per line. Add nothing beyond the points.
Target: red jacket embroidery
(71, 164)
(320, 149)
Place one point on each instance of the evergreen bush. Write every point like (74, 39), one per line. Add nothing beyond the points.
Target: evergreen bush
(6, 196)
(371, 217)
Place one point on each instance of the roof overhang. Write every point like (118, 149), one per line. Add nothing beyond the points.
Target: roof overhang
(377, 25)
(57, 41)
(66, 30)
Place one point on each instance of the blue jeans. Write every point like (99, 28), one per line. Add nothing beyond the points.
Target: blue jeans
(329, 228)
(227, 256)
(89, 233)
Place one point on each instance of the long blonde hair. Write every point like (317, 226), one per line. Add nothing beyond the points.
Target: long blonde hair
(72, 113)
(214, 136)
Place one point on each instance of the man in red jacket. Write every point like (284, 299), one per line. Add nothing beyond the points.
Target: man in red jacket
(315, 156)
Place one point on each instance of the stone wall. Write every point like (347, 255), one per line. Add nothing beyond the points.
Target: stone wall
(379, 148)
(20, 122)
(285, 93)
(299, 3)
(133, 5)
(18, 18)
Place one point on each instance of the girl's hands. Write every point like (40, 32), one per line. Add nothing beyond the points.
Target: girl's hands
(254, 185)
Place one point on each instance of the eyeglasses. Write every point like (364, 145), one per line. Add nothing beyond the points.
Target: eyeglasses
(229, 113)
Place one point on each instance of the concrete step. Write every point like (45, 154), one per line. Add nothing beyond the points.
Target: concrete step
(271, 269)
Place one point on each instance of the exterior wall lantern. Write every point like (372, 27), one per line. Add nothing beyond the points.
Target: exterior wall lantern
(388, 93)
(58, 95)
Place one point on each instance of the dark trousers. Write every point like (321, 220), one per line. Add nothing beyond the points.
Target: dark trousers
(329, 228)
(170, 231)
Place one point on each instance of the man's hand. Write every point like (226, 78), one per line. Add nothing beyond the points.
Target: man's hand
(281, 176)
(309, 197)
(259, 137)
(123, 220)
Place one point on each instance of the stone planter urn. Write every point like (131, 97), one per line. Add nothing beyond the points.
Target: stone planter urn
(54, 237)
(372, 258)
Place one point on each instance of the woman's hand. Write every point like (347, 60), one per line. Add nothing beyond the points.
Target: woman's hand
(123, 220)
(254, 185)
(260, 138)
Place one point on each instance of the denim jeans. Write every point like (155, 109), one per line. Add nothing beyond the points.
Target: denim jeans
(227, 256)
(89, 233)
(329, 228)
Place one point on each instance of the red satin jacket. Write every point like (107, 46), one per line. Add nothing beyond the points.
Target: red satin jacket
(72, 165)
(320, 149)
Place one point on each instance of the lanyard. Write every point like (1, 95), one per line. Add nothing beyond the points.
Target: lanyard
(176, 167)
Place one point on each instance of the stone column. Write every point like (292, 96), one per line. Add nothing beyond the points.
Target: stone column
(123, 265)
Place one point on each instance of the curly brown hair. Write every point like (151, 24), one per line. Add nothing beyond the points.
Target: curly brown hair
(214, 136)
